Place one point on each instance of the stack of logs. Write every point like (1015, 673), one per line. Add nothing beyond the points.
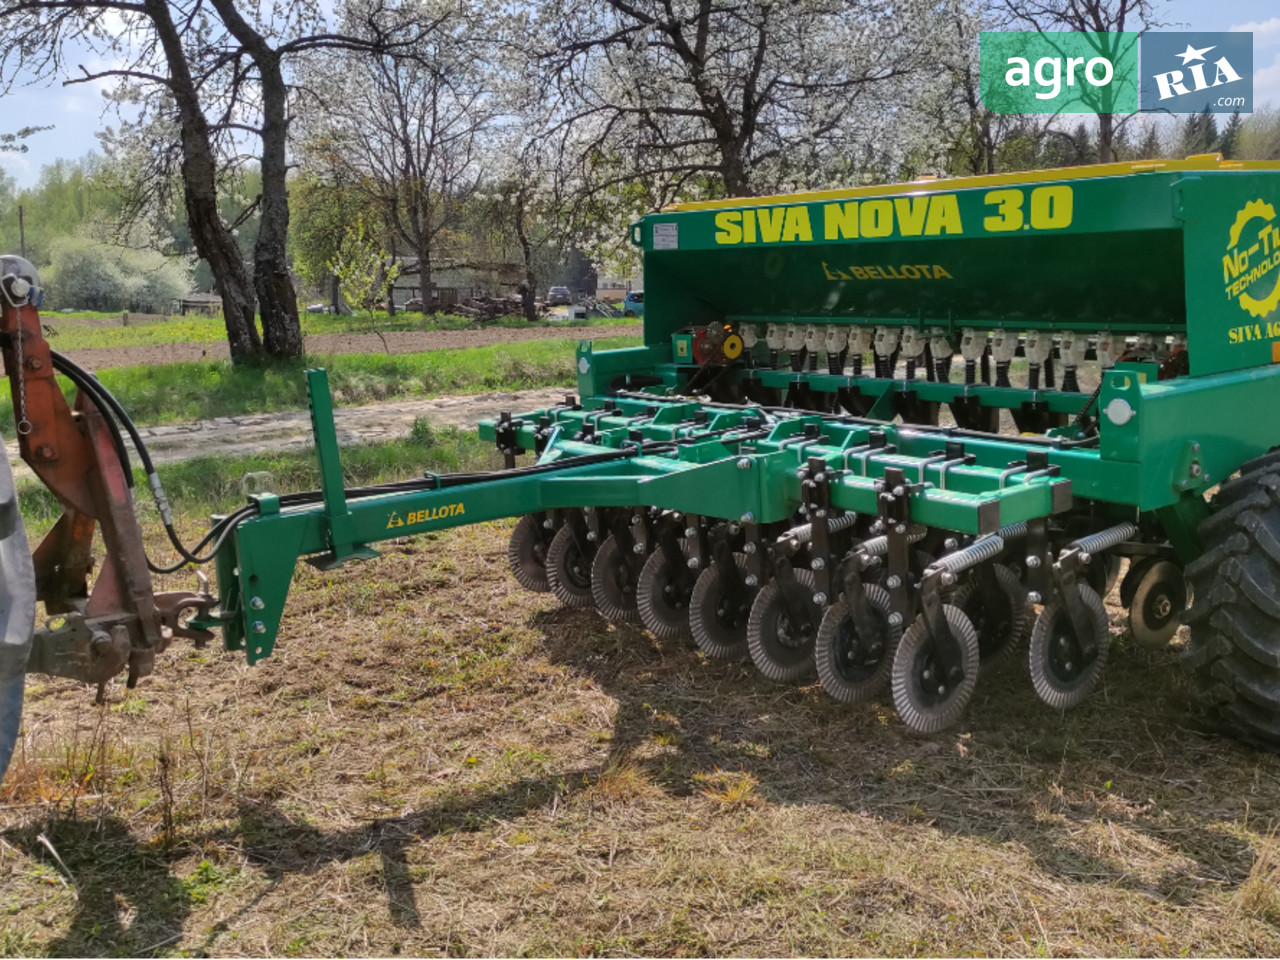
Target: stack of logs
(490, 308)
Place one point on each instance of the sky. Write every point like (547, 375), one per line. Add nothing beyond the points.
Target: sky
(77, 112)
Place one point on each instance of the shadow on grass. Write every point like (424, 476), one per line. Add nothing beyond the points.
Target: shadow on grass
(1016, 775)
(128, 901)
(1016, 772)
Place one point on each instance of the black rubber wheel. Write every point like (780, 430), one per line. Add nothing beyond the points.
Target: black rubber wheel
(780, 649)
(527, 554)
(852, 668)
(613, 583)
(1234, 651)
(662, 596)
(1158, 603)
(925, 701)
(569, 568)
(1061, 675)
(717, 618)
(1001, 618)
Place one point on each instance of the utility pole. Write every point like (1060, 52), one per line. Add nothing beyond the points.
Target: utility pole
(22, 235)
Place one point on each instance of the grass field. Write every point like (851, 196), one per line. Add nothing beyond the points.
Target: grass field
(84, 330)
(194, 391)
(206, 485)
(436, 762)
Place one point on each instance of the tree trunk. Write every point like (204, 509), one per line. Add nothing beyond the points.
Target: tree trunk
(528, 294)
(425, 288)
(734, 170)
(277, 298)
(212, 237)
(1106, 136)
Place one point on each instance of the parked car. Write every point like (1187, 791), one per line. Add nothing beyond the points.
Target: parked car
(633, 305)
(559, 296)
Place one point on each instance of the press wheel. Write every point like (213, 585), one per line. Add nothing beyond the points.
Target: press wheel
(527, 554)
(613, 583)
(717, 615)
(854, 668)
(663, 595)
(569, 568)
(926, 700)
(781, 649)
(1060, 672)
(1000, 617)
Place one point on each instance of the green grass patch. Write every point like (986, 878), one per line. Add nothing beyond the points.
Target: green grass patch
(180, 392)
(74, 335)
(197, 488)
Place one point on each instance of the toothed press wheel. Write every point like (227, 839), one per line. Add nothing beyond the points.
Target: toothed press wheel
(1234, 651)
(569, 568)
(927, 699)
(527, 554)
(718, 615)
(1158, 601)
(663, 595)
(1000, 617)
(613, 583)
(854, 668)
(782, 648)
(1061, 672)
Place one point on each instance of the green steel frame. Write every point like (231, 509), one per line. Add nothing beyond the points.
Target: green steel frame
(1161, 248)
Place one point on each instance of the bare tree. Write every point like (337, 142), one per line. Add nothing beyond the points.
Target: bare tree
(407, 126)
(750, 93)
(225, 76)
(151, 48)
(1088, 16)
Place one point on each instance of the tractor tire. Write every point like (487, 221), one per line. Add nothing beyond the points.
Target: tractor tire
(1234, 652)
(17, 614)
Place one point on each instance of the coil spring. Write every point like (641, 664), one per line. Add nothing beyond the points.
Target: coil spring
(1105, 539)
(879, 546)
(988, 548)
(804, 532)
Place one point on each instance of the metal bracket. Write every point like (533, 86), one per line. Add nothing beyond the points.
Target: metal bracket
(1066, 581)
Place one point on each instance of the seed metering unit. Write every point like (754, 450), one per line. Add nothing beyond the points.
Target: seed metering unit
(879, 436)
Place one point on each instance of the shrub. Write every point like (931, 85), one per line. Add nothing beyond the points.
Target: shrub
(91, 275)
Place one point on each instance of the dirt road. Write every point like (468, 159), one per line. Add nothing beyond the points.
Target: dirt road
(404, 341)
(291, 429)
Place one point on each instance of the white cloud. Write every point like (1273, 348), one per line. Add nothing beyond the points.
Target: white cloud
(1266, 85)
(1266, 33)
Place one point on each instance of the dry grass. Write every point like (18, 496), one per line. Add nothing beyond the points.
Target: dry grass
(436, 762)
